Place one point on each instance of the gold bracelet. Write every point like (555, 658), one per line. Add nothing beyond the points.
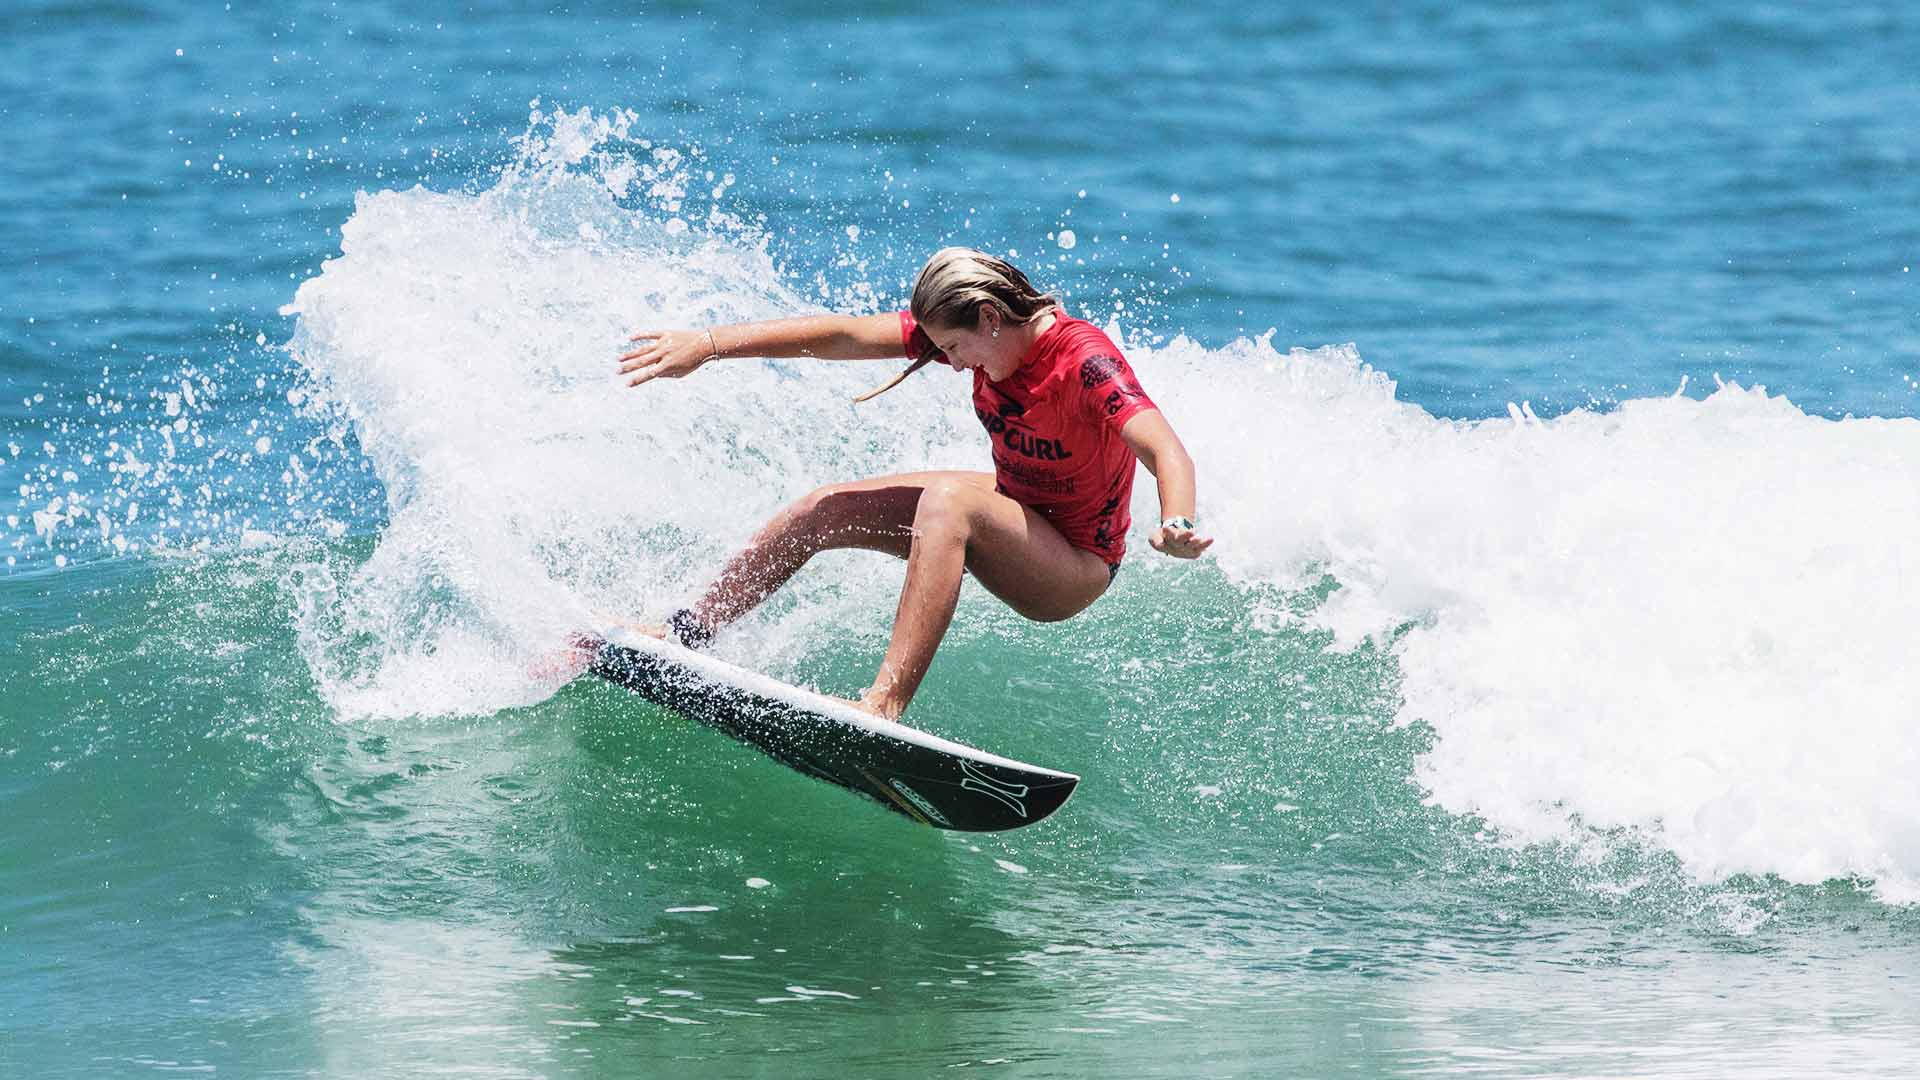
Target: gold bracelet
(713, 349)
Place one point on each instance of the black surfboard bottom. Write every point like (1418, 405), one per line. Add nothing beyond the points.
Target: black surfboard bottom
(931, 780)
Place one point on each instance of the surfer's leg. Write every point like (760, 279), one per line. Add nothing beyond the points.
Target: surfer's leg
(1013, 551)
(874, 515)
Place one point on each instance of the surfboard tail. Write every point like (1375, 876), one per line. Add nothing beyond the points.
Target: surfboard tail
(931, 780)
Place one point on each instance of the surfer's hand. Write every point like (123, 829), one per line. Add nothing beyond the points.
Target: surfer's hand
(1179, 543)
(671, 354)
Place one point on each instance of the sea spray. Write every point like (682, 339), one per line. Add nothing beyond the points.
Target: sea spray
(471, 342)
(1681, 618)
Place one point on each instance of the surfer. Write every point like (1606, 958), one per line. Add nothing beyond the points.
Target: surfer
(1045, 531)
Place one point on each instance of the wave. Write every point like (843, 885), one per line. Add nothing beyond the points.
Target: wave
(1684, 617)
(1684, 620)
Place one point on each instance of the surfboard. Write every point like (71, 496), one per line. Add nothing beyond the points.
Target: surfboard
(932, 780)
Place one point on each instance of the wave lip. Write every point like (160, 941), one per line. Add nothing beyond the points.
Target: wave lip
(1689, 618)
(470, 341)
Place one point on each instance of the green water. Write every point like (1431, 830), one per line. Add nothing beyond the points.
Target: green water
(203, 869)
(345, 283)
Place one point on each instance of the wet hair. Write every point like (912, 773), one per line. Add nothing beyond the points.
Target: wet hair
(957, 280)
(950, 290)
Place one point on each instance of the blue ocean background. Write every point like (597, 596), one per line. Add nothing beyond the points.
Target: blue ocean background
(1545, 707)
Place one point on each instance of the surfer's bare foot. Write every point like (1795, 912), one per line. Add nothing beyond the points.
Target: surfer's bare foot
(567, 662)
(682, 628)
(652, 630)
(874, 704)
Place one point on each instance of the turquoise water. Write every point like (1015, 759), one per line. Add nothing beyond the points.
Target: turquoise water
(1544, 707)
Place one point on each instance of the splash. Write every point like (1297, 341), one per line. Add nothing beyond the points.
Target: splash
(165, 456)
(1685, 620)
(471, 340)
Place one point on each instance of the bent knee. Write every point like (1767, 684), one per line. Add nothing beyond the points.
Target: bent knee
(946, 506)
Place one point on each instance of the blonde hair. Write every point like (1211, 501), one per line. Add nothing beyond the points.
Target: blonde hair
(957, 280)
(950, 290)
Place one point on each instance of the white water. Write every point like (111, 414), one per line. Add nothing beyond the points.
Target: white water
(1691, 617)
(1687, 618)
(471, 341)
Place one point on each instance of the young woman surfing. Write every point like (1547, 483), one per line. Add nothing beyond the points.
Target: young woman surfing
(1044, 532)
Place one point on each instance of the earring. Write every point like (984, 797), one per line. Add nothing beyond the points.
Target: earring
(996, 333)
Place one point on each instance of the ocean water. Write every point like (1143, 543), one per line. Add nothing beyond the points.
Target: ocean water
(1545, 707)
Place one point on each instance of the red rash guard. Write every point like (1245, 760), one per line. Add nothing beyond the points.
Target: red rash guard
(1055, 426)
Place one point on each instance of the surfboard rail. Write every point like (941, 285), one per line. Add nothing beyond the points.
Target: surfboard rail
(916, 774)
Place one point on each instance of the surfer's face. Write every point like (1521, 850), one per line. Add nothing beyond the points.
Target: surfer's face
(979, 346)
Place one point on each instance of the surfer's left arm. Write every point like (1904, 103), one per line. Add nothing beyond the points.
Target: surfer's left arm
(1153, 441)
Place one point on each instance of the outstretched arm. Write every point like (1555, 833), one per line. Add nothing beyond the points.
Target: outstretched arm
(1152, 440)
(675, 354)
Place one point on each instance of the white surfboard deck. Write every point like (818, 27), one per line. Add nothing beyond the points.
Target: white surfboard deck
(927, 778)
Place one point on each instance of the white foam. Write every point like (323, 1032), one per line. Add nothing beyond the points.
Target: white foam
(471, 342)
(1693, 618)
(1687, 617)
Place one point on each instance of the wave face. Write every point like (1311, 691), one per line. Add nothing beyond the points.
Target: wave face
(1679, 622)
(1684, 617)
(1565, 738)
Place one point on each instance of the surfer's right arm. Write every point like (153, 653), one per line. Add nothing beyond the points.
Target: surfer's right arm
(674, 354)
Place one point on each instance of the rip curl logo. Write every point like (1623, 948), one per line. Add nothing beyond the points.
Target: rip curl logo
(1097, 371)
(1018, 436)
(1035, 447)
(998, 423)
(1012, 796)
